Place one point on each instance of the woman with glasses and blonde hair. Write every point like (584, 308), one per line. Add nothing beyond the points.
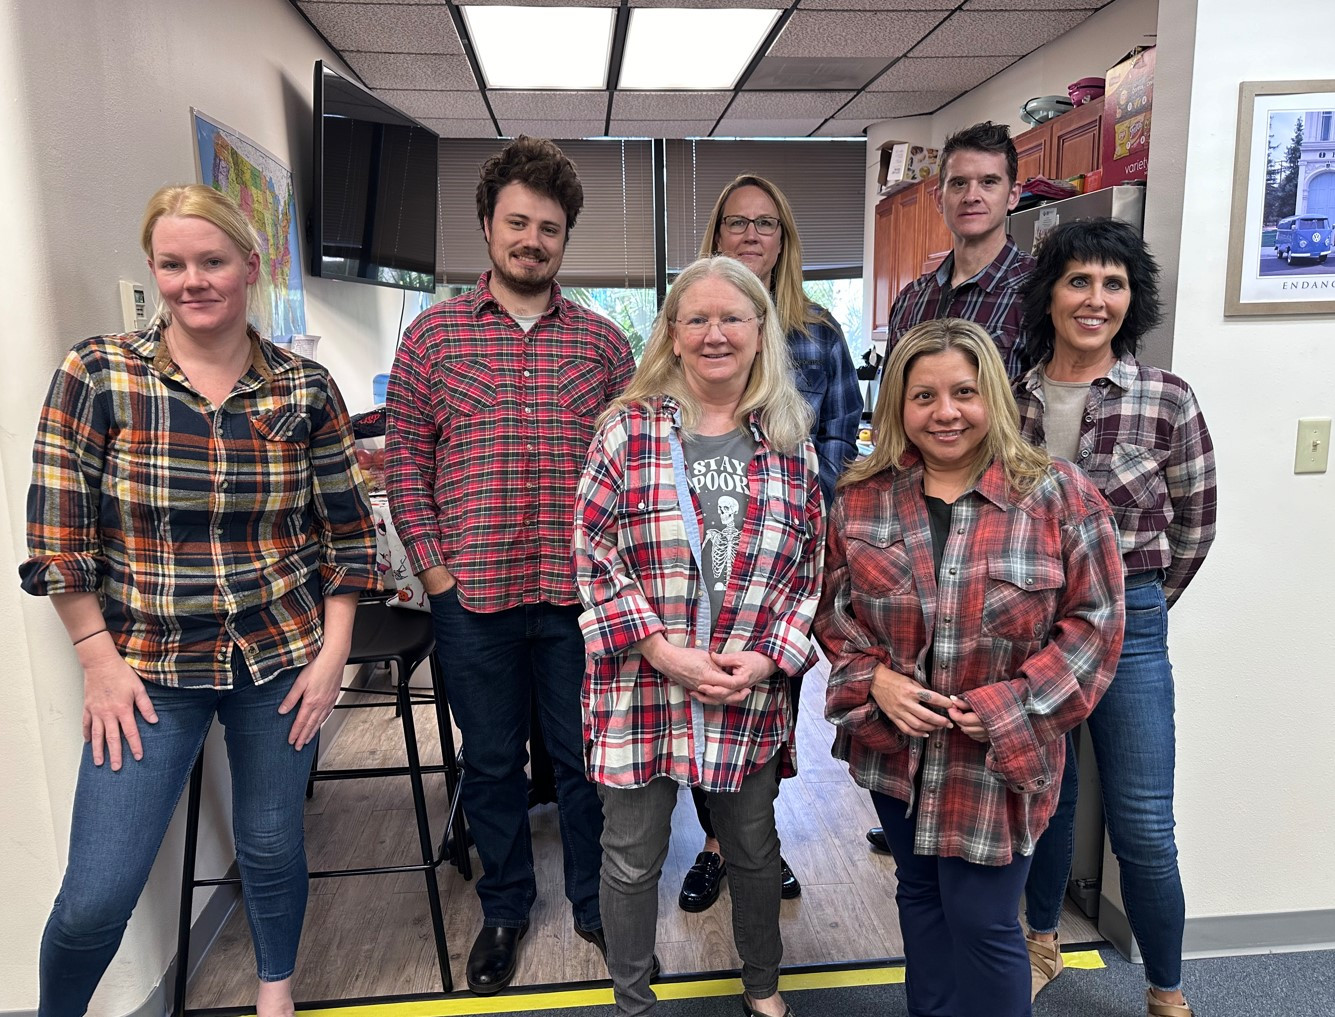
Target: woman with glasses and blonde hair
(698, 533)
(196, 518)
(753, 222)
(972, 614)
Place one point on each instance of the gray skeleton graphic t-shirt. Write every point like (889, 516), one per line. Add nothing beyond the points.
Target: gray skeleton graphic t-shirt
(716, 467)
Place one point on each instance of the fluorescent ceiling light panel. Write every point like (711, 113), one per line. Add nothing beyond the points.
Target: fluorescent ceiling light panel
(699, 48)
(541, 47)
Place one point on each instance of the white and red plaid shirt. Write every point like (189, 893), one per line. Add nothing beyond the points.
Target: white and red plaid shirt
(488, 428)
(637, 575)
(1024, 624)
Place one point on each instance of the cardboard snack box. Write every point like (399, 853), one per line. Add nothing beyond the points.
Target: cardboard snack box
(903, 164)
(1128, 101)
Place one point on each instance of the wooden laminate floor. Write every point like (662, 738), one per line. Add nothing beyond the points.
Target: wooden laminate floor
(371, 935)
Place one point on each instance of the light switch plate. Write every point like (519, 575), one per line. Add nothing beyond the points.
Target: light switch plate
(1313, 449)
(134, 305)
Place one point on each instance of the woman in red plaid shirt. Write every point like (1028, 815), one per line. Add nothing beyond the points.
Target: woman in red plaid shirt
(698, 530)
(972, 615)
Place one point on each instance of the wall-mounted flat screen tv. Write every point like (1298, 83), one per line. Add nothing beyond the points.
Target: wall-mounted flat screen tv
(373, 216)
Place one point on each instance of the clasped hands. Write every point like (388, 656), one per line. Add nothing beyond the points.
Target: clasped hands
(723, 679)
(918, 711)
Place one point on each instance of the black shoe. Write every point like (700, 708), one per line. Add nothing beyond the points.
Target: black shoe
(599, 940)
(700, 888)
(876, 838)
(491, 962)
(789, 887)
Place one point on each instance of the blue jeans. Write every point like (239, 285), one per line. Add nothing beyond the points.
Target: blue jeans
(120, 819)
(1134, 746)
(964, 953)
(491, 662)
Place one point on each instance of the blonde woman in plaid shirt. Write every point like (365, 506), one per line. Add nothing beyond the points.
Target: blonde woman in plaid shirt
(1139, 434)
(690, 653)
(972, 615)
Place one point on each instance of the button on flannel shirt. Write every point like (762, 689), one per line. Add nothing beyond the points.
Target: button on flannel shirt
(992, 300)
(1144, 444)
(829, 383)
(204, 529)
(1025, 626)
(637, 576)
(488, 430)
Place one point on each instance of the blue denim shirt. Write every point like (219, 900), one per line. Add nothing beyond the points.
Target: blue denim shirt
(828, 381)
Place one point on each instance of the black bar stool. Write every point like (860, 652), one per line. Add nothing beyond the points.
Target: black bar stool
(403, 639)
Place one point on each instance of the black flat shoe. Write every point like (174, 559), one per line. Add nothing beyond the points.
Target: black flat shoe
(753, 1012)
(789, 887)
(700, 888)
(876, 838)
(491, 962)
(599, 940)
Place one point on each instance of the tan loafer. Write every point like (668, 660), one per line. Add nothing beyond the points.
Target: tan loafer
(1157, 1007)
(1045, 963)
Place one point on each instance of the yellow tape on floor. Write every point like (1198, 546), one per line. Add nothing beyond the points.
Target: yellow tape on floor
(564, 999)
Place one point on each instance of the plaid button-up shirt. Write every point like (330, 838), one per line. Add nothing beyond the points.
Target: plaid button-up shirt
(991, 299)
(488, 429)
(1025, 624)
(206, 530)
(638, 575)
(1144, 443)
(829, 383)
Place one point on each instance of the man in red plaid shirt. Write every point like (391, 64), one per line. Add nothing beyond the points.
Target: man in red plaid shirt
(492, 403)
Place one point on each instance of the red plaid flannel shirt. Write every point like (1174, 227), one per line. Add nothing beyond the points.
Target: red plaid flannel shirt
(1145, 445)
(1026, 626)
(488, 429)
(637, 576)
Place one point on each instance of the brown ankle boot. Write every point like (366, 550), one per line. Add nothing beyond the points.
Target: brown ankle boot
(1045, 963)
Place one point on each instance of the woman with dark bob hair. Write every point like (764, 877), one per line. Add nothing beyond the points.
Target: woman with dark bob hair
(1138, 433)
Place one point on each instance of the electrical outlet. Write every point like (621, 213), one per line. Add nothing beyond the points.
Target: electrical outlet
(1313, 445)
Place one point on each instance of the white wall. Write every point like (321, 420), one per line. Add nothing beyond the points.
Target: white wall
(95, 118)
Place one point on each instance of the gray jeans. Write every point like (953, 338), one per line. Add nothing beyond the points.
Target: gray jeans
(637, 823)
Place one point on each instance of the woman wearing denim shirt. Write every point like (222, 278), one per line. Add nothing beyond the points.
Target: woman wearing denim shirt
(753, 222)
(972, 615)
(196, 517)
(1139, 434)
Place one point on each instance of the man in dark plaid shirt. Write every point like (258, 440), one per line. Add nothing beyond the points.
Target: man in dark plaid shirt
(981, 277)
(492, 403)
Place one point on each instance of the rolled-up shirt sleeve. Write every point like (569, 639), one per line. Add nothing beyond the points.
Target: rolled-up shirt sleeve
(410, 456)
(347, 538)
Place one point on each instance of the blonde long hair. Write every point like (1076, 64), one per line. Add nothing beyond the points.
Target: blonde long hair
(784, 415)
(1023, 463)
(200, 202)
(796, 311)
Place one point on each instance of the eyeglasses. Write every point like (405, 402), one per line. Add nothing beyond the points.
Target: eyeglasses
(698, 326)
(766, 225)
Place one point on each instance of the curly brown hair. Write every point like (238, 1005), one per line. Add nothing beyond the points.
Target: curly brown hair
(540, 166)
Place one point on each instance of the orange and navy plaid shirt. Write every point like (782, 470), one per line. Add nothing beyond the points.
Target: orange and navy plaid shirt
(637, 575)
(206, 530)
(1024, 623)
(488, 429)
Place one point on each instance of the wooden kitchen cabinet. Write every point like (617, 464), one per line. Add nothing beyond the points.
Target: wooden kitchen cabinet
(1076, 141)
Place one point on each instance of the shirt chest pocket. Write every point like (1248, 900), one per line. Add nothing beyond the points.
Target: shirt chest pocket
(282, 449)
(810, 377)
(1021, 595)
(653, 542)
(1135, 477)
(466, 387)
(581, 387)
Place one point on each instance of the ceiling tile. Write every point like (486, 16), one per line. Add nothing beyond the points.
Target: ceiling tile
(872, 106)
(884, 5)
(1033, 5)
(912, 74)
(662, 128)
(385, 28)
(536, 3)
(440, 71)
(553, 105)
(783, 73)
(852, 33)
(436, 105)
(785, 105)
(998, 32)
(636, 105)
(733, 127)
(375, 3)
(561, 130)
(462, 128)
(843, 129)
(770, 4)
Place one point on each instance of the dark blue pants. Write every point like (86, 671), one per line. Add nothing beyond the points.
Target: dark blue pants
(963, 949)
(492, 663)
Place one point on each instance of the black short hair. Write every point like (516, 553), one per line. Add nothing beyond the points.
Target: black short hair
(1098, 241)
(984, 137)
(539, 165)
